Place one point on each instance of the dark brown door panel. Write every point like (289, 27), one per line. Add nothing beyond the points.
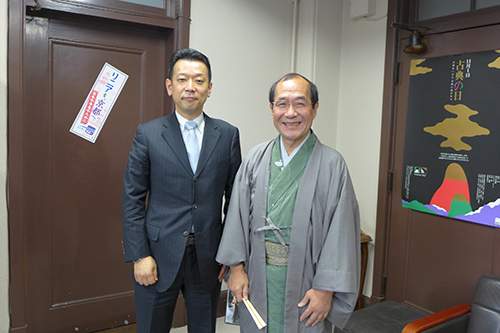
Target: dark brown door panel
(75, 278)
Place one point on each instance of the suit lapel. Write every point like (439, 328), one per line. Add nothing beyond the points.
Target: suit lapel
(172, 134)
(210, 138)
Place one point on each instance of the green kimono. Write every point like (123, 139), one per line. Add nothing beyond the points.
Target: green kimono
(283, 186)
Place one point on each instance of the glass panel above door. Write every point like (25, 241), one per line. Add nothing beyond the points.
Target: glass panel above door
(429, 9)
(486, 3)
(150, 3)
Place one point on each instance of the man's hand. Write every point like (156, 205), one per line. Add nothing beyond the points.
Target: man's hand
(145, 272)
(222, 272)
(320, 302)
(238, 282)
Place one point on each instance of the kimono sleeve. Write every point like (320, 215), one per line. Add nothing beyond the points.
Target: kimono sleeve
(234, 248)
(338, 268)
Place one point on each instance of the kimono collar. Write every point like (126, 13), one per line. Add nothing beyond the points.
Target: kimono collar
(285, 158)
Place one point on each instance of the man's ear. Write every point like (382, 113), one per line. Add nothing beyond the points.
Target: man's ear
(210, 89)
(315, 109)
(272, 109)
(168, 85)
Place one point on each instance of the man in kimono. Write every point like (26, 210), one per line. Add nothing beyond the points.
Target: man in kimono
(292, 235)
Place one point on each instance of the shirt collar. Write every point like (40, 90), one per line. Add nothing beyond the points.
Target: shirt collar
(182, 121)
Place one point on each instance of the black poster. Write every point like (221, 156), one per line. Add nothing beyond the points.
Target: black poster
(452, 143)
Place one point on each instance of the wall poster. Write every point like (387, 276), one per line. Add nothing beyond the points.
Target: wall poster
(452, 144)
(100, 100)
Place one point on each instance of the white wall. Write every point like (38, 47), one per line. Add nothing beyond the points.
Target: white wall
(249, 43)
(4, 241)
(360, 105)
(318, 58)
(249, 47)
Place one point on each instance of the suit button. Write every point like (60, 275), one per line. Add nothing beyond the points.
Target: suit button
(185, 233)
(196, 179)
(195, 206)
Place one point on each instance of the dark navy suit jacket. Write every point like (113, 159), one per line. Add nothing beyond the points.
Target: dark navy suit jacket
(162, 197)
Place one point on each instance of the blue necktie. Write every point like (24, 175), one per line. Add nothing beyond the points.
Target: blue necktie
(192, 145)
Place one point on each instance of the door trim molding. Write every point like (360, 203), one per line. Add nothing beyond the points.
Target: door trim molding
(396, 8)
(157, 17)
(17, 246)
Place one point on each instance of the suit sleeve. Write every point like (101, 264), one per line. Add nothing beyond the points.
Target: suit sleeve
(233, 167)
(135, 191)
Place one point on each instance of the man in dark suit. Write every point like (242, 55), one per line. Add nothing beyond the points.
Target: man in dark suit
(175, 181)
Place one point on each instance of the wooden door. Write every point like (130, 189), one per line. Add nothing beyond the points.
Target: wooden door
(70, 189)
(430, 262)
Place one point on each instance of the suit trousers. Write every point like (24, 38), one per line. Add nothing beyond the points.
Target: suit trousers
(155, 310)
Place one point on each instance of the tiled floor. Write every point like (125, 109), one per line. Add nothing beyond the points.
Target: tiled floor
(221, 327)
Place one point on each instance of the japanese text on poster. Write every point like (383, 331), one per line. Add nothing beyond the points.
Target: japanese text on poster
(100, 100)
(451, 153)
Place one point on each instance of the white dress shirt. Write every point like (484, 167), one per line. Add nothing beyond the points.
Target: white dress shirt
(198, 130)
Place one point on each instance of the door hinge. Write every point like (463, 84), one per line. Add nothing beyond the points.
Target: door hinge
(396, 72)
(384, 286)
(383, 289)
(390, 181)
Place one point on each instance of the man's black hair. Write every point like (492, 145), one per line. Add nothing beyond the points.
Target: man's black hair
(189, 54)
(313, 90)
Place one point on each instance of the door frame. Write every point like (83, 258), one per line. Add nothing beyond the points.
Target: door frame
(395, 10)
(17, 15)
(400, 11)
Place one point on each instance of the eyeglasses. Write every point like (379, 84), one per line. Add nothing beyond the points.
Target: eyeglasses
(297, 105)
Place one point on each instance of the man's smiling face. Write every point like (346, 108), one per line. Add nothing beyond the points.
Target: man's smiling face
(293, 123)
